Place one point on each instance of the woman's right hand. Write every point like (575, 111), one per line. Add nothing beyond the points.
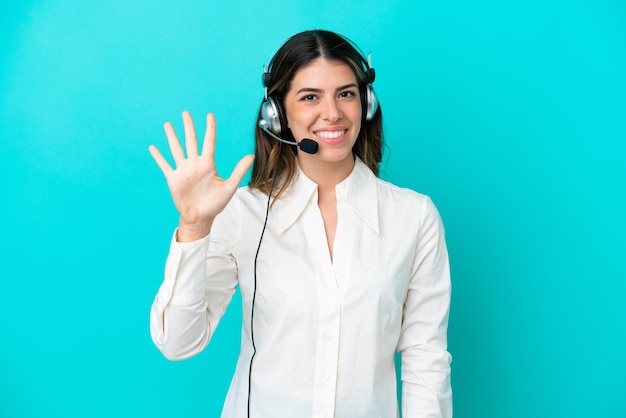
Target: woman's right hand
(199, 193)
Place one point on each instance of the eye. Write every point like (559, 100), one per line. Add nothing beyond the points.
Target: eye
(308, 98)
(348, 94)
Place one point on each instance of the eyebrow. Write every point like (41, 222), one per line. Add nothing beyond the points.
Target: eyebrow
(313, 90)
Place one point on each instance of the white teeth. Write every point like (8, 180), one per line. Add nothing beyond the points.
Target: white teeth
(330, 134)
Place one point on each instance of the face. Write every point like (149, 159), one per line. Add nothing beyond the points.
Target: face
(323, 104)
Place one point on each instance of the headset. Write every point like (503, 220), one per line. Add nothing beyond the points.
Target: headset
(274, 120)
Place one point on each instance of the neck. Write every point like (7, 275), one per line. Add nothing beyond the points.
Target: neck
(327, 174)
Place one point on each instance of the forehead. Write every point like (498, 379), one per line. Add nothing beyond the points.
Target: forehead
(323, 72)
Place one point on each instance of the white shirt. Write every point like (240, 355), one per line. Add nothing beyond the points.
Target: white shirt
(325, 330)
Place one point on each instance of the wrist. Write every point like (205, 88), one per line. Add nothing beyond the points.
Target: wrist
(193, 232)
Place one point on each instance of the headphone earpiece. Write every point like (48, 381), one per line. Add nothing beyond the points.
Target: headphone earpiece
(369, 102)
(272, 116)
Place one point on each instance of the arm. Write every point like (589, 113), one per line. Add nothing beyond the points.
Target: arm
(190, 303)
(426, 389)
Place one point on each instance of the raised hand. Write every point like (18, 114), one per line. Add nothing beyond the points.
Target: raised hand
(199, 193)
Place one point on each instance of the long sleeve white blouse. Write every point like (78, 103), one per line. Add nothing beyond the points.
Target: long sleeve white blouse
(325, 328)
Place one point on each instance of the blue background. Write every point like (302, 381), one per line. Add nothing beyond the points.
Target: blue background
(511, 115)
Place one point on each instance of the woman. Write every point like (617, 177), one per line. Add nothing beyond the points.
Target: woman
(337, 269)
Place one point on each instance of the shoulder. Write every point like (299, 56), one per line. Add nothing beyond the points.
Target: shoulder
(245, 201)
(392, 195)
(413, 212)
(394, 203)
(241, 215)
(387, 192)
(249, 196)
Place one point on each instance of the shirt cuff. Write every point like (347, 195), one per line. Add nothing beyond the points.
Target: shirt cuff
(185, 271)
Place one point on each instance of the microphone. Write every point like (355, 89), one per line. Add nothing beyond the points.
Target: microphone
(307, 145)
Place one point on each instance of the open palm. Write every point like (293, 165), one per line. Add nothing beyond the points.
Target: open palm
(199, 193)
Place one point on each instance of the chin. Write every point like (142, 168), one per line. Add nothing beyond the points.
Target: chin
(336, 156)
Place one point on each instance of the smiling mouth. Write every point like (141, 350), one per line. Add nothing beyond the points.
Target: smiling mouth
(330, 134)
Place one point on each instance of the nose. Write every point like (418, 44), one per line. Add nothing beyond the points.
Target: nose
(331, 111)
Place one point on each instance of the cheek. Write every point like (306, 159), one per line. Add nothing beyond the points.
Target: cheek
(357, 121)
(352, 111)
(301, 121)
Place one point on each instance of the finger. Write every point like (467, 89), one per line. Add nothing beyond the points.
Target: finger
(172, 140)
(191, 142)
(161, 162)
(241, 169)
(208, 147)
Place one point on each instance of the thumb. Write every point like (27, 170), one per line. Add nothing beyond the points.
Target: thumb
(241, 169)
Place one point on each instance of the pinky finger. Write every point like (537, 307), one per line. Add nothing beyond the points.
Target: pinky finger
(165, 167)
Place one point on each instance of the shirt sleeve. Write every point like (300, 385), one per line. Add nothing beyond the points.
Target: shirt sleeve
(426, 388)
(200, 279)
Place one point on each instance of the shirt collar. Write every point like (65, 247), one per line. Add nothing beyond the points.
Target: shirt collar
(358, 191)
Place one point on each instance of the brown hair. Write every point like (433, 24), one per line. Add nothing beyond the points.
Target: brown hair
(299, 51)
